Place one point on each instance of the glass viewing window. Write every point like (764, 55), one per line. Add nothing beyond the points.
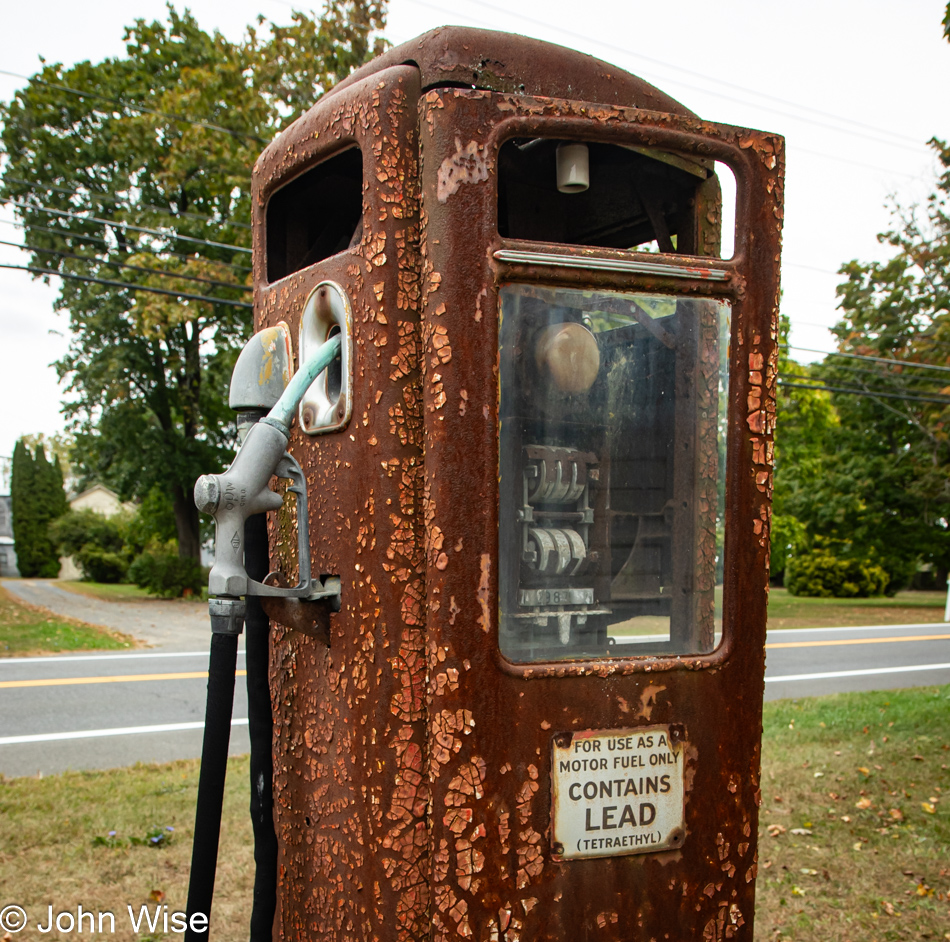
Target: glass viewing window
(612, 473)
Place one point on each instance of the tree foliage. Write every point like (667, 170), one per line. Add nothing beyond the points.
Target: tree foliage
(37, 498)
(873, 473)
(137, 170)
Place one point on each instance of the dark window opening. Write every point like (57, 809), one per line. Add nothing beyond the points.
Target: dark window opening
(636, 198)
(316, 215)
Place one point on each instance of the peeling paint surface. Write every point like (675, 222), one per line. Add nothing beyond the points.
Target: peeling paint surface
(412, 763)
(518, 892)
(351, 777)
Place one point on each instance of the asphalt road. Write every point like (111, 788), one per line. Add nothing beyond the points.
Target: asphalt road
(107, 710)
(810, 662)
(163, 624)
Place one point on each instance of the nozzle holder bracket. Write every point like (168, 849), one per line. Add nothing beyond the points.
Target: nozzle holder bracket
(328, 404)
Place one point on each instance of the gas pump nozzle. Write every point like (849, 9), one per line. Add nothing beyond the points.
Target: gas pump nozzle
(259, 381)
(242, 491)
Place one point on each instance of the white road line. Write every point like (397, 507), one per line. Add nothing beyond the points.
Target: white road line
(118, 731)
(72, 658)
(805, 631)
(861, 673)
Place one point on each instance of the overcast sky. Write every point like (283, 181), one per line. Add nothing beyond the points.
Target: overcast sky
(856, 88)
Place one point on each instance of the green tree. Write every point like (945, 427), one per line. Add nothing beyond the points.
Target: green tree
(59, 448)
(895, 443)
(137, 170)
(865, 466)
(807, 423)
(37, 498)
(23, 508)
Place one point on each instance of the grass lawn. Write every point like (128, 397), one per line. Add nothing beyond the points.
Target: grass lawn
(789, 611)
(105, 591)
(855, 819)
(56, 846)
(27, 629)
(854, 828)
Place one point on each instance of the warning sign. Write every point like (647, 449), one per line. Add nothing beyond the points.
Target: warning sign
(617, 791)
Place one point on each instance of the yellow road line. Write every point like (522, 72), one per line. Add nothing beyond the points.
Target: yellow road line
(825, 644)
(108, 679)
(194, 675)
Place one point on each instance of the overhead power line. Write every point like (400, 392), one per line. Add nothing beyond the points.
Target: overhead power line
(851, 391)
(78, 237)
(142, 268)
(125, 103)
(900, 140)
(123, 225)
(131, 287)
(112, 198)
(892, 361)
(896, 378)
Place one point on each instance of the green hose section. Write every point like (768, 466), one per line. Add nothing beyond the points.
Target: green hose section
(283, 412)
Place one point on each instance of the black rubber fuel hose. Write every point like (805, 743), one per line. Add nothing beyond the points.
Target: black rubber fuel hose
(214, 767)
(261, 727)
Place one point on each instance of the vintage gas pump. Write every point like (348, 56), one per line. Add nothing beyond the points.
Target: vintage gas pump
(540, 467)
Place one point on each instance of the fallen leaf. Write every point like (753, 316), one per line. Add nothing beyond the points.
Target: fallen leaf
(776, 829)
(797, 891)
(819, 775)
(918, 758)
(863, 770)
(801, 832)
(863, 803)
(928, 807)
(834, 796)
(857, 845)
(846, 818)
(896, 814)
(156, 896)
(889, 909)
(808, 872)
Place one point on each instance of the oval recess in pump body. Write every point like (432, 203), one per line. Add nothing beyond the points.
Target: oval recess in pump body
(538, 715)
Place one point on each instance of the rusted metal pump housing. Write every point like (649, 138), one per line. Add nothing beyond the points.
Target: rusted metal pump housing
(518, 606)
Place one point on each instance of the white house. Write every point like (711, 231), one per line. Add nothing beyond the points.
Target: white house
(7, 552)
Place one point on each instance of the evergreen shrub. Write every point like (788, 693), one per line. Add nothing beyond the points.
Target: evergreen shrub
(165, 573)
(821, 574)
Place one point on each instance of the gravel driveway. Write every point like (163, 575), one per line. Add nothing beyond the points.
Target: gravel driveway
(168, 625)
